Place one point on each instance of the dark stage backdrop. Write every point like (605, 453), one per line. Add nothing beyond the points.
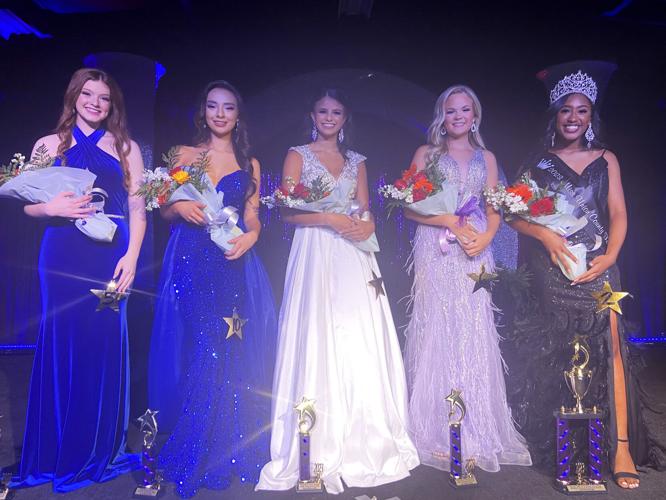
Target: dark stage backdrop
(393, 65)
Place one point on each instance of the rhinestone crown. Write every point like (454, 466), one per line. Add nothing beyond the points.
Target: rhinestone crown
(575, 83)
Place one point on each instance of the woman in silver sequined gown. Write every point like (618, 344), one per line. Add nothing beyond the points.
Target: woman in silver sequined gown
(539, 345)
(452, 342)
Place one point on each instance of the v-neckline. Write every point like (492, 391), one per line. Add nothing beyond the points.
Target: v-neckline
(579, 175)
(321, 163)
(468, 165)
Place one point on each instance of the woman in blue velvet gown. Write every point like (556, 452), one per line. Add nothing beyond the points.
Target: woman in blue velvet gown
(78, 404)
(210, 382)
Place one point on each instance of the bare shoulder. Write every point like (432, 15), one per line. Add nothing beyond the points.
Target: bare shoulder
(255, 165)
(293, 158)
(611, 158)
(489, 156)
(422, 151)
(50, 142)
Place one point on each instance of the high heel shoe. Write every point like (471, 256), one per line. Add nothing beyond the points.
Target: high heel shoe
(617, 476)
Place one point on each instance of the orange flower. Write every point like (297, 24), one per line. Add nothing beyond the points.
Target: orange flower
(423, 183)
(522, 190)
(408, 174)
(180, 176)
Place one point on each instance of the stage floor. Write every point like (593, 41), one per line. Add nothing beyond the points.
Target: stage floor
(425, 483)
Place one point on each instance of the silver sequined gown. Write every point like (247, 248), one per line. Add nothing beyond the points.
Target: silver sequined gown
(452, 342)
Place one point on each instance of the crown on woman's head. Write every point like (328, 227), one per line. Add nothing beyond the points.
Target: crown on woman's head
(575, 83)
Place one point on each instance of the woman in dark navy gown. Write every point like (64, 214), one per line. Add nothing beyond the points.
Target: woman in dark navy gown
(211, 382)
(78, 405)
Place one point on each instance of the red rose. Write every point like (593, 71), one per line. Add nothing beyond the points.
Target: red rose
(400, 184)
(175, 170)
(419, 195)
(544, 206)
(300, 191)
(420, 177)
(283, 191)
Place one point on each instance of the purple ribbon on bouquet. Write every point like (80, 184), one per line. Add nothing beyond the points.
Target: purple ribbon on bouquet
(470, 207)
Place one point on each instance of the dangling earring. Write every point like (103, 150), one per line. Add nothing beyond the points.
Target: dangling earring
(204, 125)
(341, 135)
(473, 128)
(443, 131)
(552, 140)
(589, 135)
(314, 134)
(236, 127)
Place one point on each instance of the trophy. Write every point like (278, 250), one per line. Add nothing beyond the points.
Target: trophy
(458, 476)
(306, 421)
(151, 478)
(579, 432)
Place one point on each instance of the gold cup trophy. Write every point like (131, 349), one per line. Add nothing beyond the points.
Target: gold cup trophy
(579, 431)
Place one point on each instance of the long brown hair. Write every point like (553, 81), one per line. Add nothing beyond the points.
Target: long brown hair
(240, 137)
(115, 123)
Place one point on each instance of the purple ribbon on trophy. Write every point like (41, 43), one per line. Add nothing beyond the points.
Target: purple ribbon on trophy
(467, 209)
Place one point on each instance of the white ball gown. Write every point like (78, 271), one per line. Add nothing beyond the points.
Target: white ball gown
(337, 345)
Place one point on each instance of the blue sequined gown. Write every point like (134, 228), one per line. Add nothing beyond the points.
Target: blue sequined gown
(212, 392)
(78, 405)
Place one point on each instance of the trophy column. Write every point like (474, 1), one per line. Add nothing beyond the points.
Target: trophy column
(306, 421)
(579, 433)
(458, 476)
(151, 479)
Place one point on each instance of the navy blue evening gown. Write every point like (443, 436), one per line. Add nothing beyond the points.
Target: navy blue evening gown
(78, 404)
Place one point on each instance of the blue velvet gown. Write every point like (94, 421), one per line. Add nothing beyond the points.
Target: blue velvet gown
(78, 405)
(212, 392)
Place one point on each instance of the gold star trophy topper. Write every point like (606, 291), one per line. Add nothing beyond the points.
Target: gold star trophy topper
(377, 282)
(235, 325)
(456, 401)
(608, 299)
(483, 279)
(306, 415)
(109, 297)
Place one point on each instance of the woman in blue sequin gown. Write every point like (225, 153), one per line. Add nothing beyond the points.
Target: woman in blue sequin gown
(212, 387)
(78, 406)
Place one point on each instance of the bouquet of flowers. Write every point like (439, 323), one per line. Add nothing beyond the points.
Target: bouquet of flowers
(166, 185)
(320, 196)
(425, 192)
(298, 195)
(525, 199)
(35, 182)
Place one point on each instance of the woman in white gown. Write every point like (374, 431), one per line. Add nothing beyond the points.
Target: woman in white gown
(337, 342)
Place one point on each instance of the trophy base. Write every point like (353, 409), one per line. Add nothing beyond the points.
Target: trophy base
(151, 490)
(462, 481)
(310, 486)
(582, 488)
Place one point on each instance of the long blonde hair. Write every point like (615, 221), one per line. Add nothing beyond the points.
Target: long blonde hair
(436, 140)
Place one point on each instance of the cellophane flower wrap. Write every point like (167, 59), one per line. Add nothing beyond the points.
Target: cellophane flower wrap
(320, 196)
(38, 181)
(172, 183)
(525, 199)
